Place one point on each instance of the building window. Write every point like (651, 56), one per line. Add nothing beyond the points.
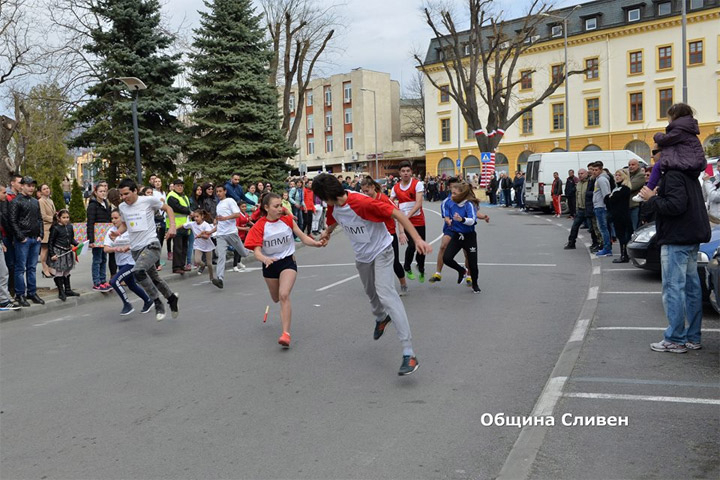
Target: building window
(348, 116)
(309, 101)
(665, 101)
(557, 74)
(328, 121)
(592, 69)
(328, 96)
(665, 57)
(527, 122)
(469, 132)
(444, 93)
(556, 31)
(526, 80)
(558, 116)
(591, 23)
(696, 4)
(695, 51)
(328, 144)
(633, 15)
(593, 112)
(664, 8)
(636, 107)
(310, 123)
(445, 130)
(636, 62)
(347, 92)
(311, 146)
(349, 141)
(291, 102)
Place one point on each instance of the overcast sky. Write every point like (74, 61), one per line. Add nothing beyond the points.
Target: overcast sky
(381, 35)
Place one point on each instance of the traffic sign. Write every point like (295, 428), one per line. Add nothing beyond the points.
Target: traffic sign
(457, 163)
(485, 157)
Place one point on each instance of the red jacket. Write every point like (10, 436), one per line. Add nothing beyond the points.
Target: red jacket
(308, 198)
(242, 221)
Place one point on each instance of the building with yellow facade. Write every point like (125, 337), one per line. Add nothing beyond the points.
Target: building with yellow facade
(632, 52)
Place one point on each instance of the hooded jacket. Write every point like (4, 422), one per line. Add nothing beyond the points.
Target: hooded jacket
(97, 212)
(681, 147)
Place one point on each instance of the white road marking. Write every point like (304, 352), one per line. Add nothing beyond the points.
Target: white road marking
(579, 332)
(596, 270)
(593, 293)
(647, 398)
(322, 289)
(61, 319)
(660, 329)
(622, 269)
(549, 397)
(632, 293)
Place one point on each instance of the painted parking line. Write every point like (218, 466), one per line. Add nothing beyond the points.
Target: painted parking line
(659, 329)
(632, 293)
(622, 270)
(645, 398)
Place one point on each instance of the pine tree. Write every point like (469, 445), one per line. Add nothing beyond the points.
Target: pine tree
(56, 194)
(131, 42)
(236, 126)
(78, 214)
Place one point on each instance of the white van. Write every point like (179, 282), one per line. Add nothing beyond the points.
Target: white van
(540, 168)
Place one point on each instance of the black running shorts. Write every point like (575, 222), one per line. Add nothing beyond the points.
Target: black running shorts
(274, 270)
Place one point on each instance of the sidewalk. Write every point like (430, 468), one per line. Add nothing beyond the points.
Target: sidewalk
(81, 280)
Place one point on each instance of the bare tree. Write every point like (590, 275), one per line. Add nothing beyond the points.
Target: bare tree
(481, 61)
(299, 32)
(413, 104)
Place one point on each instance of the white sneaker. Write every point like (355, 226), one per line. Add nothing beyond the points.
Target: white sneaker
(403, 290)
(638, 198)
(239, 268)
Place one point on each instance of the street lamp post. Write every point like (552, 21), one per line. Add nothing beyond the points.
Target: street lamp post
(377, 169)
(135, 85)
(567, 94)
(684, 52)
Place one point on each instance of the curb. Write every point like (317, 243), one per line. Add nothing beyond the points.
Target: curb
(521, 458)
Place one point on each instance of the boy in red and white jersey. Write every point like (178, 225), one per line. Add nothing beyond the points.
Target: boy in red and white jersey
(363, 219)
(271, 238)
(408, 193)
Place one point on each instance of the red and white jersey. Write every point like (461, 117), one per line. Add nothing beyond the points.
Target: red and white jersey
(275, 239)
(390, 222)
(406, 197)
(363, 220)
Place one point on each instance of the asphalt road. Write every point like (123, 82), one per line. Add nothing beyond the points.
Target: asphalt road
(87, 393)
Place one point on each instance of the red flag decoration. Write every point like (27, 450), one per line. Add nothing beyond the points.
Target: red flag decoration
(488, 168)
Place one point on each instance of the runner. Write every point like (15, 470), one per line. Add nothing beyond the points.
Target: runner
(447, 234)
(373, 190)
(409, 195)
(363, 220)
(227, 233)
(138, 215)
(462, 208)
(271, 238)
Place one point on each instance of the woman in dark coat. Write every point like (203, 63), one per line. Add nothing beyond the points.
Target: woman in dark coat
(208, 201)
(618, 205)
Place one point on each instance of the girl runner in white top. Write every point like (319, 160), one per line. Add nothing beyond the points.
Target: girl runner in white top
(362, 219)
(203, 247)
(271, 238)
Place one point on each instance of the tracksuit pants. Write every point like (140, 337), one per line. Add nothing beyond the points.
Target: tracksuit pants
(222, 244)
(410, 252)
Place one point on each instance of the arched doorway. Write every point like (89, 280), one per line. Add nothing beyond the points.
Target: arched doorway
(501, 163)
(446, 167)
(471, 166)
(558, 149)
(523, 159)
(591, 148)
(639, 148)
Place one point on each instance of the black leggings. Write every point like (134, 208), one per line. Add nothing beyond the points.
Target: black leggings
(397, 266)
(307, 217)
(468, 242)
(410, 252)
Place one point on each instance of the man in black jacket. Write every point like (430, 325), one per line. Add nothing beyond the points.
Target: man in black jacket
(6, 302)
(27, 226)
(506, 186)
(570, 189)
(682, 225)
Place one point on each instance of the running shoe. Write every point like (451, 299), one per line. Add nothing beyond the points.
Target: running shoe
(468, 280)
(127, 309)
(173, 303)
(284, 340)
(147, 306)
(380, 327)
(436, 277)
(409, 365)
(188, 267)
(159, 310)
(476, 289)
(409, 274)
(421, 277)
(403, 290)
(693, 345)
(665, 346)
(9, 305)
(98, 288)
(201, 269)
(217, 282)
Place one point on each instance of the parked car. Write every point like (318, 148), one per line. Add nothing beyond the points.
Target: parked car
(644, 252)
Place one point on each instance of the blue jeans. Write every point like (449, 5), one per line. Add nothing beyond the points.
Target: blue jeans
(634, 218)
(99, 266)
(682, 295)
(601, 215)
(26, 259)
(66, 196)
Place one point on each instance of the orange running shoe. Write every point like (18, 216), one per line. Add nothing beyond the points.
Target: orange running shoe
(284, 340)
